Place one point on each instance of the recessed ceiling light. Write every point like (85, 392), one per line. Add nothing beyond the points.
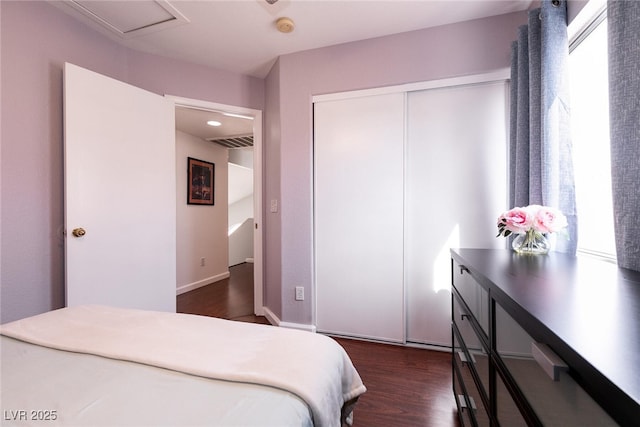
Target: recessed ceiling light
(213, 123)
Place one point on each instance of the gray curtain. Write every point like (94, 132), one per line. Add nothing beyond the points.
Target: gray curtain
(624, 104)
(541, 166)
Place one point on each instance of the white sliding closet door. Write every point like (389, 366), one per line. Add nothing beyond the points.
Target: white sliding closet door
(359, 163)
(456, 180)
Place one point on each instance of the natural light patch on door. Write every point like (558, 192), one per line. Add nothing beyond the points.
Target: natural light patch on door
(442, 263)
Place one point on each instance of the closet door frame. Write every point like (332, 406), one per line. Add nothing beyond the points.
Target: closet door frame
(496, 76)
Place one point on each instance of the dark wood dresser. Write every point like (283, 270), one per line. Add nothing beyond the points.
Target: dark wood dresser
(549, 340)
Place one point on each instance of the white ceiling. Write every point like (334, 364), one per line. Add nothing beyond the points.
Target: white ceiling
(194, 121)
(241, 35)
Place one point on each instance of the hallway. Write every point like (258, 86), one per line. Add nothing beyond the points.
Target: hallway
(231, 298)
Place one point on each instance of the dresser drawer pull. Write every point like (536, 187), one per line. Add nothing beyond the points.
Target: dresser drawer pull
(550, 362)
(463, 402)
(463, 269)
(463, 357)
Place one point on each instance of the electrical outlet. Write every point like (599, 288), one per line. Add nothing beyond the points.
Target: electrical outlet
(299, 293)
(202, 262)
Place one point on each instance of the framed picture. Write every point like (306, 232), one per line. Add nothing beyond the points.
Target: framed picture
(200, 182)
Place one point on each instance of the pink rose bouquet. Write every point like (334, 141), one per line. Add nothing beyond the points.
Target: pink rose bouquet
(531, 219)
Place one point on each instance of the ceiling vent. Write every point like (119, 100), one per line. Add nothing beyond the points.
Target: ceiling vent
(130, 19)
(234, 142)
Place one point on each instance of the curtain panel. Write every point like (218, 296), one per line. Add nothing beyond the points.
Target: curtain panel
(624, 111)
(540, 163)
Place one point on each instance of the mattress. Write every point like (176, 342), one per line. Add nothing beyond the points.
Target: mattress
(97, 363)
(74, 389)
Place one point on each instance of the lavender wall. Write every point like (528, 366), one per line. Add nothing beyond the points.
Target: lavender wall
(36, 39)
(172, 77)
(271, 183)
(454, 50)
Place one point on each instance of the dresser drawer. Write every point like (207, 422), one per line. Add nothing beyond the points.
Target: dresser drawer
(470, 404)
(558, 401)
(462, 401)
(474, 371)
(473, 294)
(507, 411)
(470, 330)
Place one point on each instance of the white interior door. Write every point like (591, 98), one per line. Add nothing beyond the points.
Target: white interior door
(120, 189)
(456, 187)
(358, 155)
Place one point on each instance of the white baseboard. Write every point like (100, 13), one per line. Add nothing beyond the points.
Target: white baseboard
(200, 283)
(274, 320)
(300, 326)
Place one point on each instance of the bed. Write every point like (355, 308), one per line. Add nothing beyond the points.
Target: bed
(105, 366)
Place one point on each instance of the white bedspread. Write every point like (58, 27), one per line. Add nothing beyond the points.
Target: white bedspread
(312, 366)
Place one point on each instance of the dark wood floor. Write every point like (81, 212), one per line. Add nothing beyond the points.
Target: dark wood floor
(231, 298)
(406, 386)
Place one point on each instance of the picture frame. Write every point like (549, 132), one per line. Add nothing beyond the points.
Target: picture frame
(200, 182)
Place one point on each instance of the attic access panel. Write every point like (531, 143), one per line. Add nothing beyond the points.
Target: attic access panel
(130, 19)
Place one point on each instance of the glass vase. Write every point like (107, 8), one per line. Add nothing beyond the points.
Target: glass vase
(531, 243)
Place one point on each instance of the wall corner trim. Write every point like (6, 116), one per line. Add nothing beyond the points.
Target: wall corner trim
(274, 320)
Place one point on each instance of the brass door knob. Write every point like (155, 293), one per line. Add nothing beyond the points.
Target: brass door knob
(78, 232)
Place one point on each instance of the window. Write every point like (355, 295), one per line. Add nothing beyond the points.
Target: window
(589, 84)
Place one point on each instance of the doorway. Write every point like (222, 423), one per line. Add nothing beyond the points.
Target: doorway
(235, 128)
